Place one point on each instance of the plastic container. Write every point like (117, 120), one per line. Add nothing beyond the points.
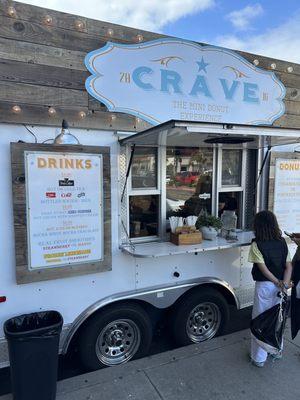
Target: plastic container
(33, 343)
(229, 222)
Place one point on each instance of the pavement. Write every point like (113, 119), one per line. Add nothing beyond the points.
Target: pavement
(218, 369)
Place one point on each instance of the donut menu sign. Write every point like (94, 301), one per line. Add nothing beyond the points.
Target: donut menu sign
(287, 194)
(64, 208)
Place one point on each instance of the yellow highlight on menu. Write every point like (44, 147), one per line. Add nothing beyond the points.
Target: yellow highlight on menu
(68, 253)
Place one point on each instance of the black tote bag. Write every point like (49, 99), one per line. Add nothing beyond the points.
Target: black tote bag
(268, 327)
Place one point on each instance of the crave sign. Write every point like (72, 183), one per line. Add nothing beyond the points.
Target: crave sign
(287, 194)
(64, 208)
(176, 79)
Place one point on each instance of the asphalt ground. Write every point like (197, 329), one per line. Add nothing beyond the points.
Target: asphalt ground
(69, 365)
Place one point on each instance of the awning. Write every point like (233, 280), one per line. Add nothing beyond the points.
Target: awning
(199, 134)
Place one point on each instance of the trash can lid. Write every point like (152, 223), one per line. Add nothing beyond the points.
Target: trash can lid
(43, 323)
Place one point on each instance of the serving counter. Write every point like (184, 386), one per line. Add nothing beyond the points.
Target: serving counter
(160, 249)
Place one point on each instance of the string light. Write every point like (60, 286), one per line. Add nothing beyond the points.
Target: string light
(11, 11)
(16, 109)
(294, 93)
(255, 62)
(140, 38)
(290, 69)
(51, 111)
(79, 25)
(273, 66)
(82, 114)
(110, 32)
(48, 20)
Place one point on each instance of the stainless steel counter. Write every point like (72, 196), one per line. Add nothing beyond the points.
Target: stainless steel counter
(161, 249)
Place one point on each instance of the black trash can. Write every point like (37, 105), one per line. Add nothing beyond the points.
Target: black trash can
(33, 341)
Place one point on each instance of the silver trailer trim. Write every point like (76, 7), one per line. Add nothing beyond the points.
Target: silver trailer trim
(159, 297)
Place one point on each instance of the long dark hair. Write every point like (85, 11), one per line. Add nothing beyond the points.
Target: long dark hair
(266, 226)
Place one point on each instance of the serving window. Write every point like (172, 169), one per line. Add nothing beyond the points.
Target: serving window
(231, 182)
(143, 215)
(231, 167)
(182, 181)
(189, 180)
(144, 193)
(144, 168)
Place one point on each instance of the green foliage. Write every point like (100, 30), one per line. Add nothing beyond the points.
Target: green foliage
(206, 219)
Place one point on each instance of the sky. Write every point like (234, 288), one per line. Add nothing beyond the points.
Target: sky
(267, 27)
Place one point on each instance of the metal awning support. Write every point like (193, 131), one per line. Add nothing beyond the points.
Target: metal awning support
(262, 167)
(128, 171)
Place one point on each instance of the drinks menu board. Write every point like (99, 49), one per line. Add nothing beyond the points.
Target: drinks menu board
(287, 194)
(64, 208)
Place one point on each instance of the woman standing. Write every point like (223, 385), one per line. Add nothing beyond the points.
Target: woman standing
(272, 270)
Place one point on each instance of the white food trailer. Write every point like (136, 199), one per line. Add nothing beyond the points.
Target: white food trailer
(84, 227)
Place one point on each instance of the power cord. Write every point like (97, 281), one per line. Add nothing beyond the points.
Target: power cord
(26, 127)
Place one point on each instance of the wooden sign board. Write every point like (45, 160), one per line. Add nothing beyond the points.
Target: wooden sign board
(62, 220)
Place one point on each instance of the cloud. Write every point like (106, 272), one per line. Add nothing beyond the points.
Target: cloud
(282, 42)
(241, 19)
(142, 14)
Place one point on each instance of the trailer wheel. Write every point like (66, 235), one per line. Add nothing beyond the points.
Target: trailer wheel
(114, 336)
(200, 316)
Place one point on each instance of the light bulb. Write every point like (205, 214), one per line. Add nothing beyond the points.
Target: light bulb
(82, 114)
(290, 69)
(273, 66)
(255, 62)
(113, 117)
(79, 25)
(48, 20)
(65, 137)
(140, 38)
(110, 32)
(16, 109)
(51, 111)
(11, 11)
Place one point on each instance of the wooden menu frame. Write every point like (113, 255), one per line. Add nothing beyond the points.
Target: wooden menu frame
(23, 273)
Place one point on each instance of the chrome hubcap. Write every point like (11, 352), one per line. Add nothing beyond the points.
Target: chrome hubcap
(118, 342)
(203, 322)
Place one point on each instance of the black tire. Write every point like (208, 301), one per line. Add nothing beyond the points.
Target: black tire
(125, 329)
(200, 315)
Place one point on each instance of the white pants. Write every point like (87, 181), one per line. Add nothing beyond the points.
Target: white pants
(265, 297)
